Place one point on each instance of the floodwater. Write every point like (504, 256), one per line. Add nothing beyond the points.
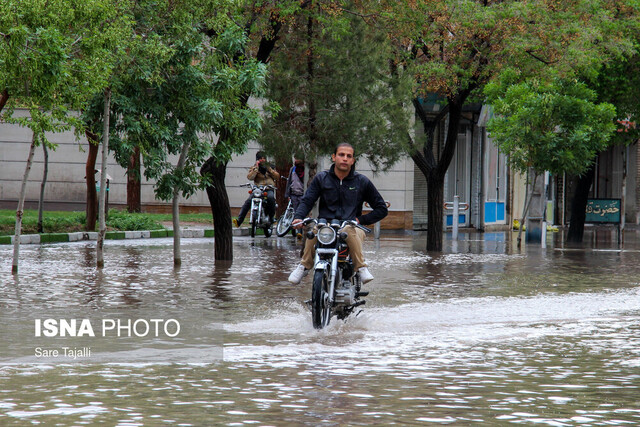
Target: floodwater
(483, 333)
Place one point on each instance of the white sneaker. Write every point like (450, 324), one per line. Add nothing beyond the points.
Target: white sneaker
(365, 276)
(296, 275)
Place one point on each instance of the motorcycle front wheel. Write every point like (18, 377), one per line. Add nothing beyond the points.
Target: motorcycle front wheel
(254, 222)
(320, 309)
(284, 223)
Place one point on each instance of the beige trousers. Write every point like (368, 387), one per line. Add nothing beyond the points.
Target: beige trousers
(355, 239)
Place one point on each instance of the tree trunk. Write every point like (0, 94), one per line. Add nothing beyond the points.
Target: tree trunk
(220, 209)
(312, 131)
(312, 170)
(217, 192)
(134, 203)
(579, 205)
(435, 205)
(281, 187)
(103, 179)
(530, 189)
(175, 208)
(90, 176)
(42, 187)
(435, 170)
(19, 211)
(4, 97)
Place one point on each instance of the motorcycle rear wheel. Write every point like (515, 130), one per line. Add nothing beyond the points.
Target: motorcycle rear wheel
(284, 223)
(320, 309)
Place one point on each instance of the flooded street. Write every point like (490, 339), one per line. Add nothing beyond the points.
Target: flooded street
(483, 333)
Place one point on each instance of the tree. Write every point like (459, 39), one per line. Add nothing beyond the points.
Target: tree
(262, 23)
(334, 82)
(454, 48)
(102, 230)
(52, 57)
(557, 126)
(619, 84)
(180, 90)
(43, 184)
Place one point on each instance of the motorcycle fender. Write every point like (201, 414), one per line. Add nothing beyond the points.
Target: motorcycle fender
(321, 265)
(256, 205)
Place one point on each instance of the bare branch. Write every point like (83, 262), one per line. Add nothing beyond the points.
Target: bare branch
(530, 53)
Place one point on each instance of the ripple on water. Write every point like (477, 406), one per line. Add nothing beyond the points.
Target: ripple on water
(458, 339)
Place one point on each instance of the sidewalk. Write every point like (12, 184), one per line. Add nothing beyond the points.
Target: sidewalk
(199, 230)
(187, 230)
(26, 239)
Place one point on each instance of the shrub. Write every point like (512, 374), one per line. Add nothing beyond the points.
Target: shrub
(121, 220)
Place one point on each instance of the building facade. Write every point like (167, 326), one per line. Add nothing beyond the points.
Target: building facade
(479, 175)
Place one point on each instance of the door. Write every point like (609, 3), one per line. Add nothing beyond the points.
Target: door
(458, 178)
(495, 184)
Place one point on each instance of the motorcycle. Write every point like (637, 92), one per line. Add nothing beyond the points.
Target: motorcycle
(258, 217)
(336, 286)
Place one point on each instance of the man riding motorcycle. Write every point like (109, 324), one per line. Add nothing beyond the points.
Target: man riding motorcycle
(341, 191)
(261, 174)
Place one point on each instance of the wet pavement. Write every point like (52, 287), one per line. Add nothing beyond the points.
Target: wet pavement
(483, 333)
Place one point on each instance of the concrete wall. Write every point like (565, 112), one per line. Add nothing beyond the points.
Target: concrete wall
(65, 188)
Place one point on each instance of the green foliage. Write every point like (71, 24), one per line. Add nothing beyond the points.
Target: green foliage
(122, 220)
(56, 222)
(618, 83)
(182, 87)
(202, 218)
(54, 55)
(556, 127)
(453, 46)
(333, 81)
(51, 223)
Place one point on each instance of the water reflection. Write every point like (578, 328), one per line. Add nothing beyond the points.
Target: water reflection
(218, 288)
(89, 257)
(484, 333)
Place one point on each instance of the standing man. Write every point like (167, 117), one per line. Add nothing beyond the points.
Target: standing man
(341, 191)
(295, 186)
(261, 174)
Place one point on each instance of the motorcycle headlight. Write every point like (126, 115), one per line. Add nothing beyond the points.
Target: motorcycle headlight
(326, 235)
(257, 192)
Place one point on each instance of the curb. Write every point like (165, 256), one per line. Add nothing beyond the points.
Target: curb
(26, 239)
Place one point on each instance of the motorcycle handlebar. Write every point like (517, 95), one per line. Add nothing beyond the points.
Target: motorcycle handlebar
(308, 221)
(264, 187)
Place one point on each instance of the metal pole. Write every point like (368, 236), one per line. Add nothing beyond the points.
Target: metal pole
(376, 230)
(623, 201)
(456, 213)
(544, 211)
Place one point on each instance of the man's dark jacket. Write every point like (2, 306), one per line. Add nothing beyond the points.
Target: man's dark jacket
(343, 200)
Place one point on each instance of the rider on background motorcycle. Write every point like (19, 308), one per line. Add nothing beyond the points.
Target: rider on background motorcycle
(341, 191)
(261, 174)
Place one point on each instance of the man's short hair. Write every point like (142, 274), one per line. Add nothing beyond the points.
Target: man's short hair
(343, 144)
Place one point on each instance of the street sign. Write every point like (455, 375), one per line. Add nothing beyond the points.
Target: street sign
(603, 211)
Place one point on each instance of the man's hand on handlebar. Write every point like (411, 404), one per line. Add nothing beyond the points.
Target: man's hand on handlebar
(299, 223)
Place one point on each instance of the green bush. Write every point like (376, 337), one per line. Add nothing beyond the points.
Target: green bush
(67, 222)
(58, 223)
(121, 220)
